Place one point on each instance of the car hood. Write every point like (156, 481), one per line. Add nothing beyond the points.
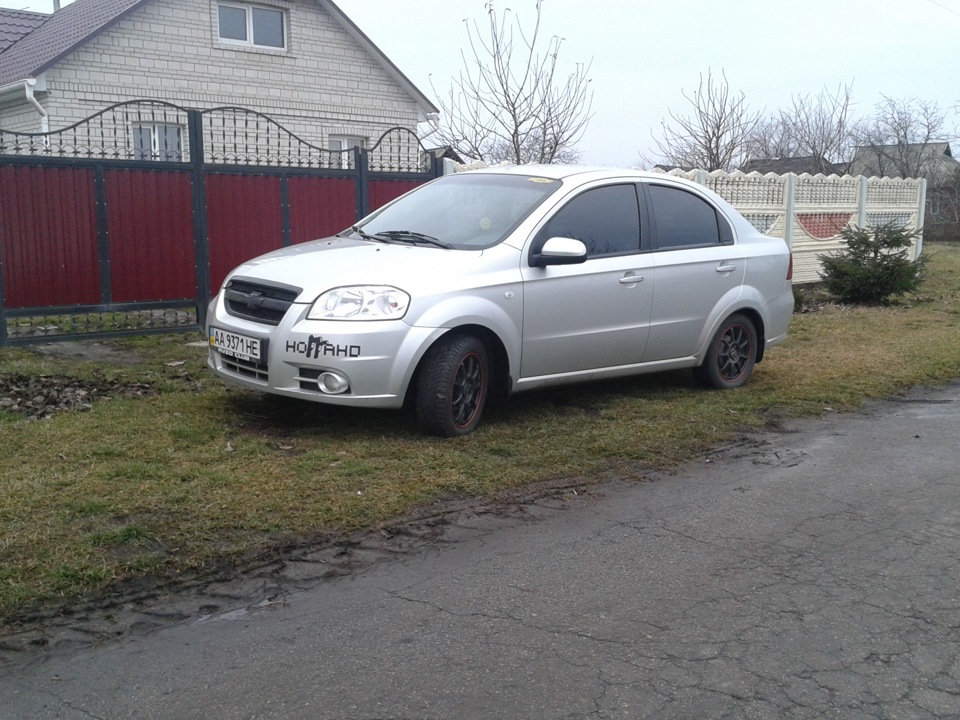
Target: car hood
(319, 265)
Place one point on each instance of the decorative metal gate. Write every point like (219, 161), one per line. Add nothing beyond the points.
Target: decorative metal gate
(128, 221)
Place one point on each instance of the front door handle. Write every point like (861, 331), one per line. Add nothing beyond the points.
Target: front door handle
(631, 279)
(726, 268)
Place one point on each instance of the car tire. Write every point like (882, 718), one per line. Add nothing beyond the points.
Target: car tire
(452, 386)
(731, 355)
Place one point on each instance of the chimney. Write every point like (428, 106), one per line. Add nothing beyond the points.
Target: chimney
(56, 5)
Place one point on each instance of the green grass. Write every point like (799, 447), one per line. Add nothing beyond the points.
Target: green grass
(172, 484)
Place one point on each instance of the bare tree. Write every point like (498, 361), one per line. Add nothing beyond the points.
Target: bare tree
(772, 138)
(819, 129)
(895, 141)
(510, 101)
(943, 207)
(715, 136)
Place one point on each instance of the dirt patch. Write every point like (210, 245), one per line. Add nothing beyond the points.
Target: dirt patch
(89, 352)
(41, 396)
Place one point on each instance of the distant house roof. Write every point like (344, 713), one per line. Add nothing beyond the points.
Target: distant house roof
(930, 160)
(38, 41)
(668, 168)
(15, 24)
(446, 152)
(797, 165)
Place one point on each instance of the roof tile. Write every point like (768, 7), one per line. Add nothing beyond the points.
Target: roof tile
(16, 24)
(59, 35)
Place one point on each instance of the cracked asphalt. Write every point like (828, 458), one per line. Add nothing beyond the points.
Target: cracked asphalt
(808, 573)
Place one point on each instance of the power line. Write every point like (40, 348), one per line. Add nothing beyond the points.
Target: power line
(940, 5)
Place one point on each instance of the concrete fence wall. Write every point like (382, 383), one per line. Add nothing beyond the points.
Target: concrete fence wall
(809, 211)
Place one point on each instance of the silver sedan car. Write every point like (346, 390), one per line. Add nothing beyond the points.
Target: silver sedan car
(504, 280)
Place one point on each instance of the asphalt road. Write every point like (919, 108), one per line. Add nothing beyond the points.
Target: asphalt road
(812, 573)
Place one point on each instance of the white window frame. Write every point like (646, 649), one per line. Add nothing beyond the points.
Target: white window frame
(346, 142)
(155, 133)
(340, 143)
(248, 9)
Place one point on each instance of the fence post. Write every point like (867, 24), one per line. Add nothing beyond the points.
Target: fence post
(201, 242)
(285, 211)
(788, 212)
(921, 216)
(862, 203)
(362, 162)
(103, 234)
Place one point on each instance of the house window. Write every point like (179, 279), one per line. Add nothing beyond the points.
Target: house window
(252, 25)
(158, 142)
(342, 143)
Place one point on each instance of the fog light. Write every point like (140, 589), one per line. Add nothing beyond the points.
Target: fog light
(332, 383)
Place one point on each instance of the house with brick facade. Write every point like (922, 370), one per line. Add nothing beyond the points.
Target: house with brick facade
(302, 63)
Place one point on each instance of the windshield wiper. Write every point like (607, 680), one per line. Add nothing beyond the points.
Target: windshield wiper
(365, 235)
(413, 237)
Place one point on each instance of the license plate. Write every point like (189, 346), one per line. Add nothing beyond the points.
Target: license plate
(235, 345)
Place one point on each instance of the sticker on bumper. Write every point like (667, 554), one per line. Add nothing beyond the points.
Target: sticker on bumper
(315, 347)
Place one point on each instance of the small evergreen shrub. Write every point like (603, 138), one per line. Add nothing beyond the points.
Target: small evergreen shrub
(875, 265)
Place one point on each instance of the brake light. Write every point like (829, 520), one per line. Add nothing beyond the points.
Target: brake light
(790, 269)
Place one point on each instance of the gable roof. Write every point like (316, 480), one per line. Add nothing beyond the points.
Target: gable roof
(925, 150)
(931, 160)
(53, 37)
(15, 24)
(368, 45)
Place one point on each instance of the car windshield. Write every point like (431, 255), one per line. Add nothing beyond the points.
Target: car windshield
(462, 212)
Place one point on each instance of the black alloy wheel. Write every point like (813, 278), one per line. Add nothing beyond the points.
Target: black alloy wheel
(452, 386)
(731, 356)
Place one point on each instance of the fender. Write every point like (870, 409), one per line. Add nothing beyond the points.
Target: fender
(742, 298)
(488, 308)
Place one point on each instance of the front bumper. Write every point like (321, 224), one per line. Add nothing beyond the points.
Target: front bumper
(376, 358)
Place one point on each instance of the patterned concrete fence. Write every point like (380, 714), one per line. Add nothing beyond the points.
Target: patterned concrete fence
(809, 211)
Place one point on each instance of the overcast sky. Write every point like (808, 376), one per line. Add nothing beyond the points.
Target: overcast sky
(645, 52)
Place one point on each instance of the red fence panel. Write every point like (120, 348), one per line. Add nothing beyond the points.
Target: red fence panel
(383, 191)
(244, 219)
(48, 232)
(320, 207)
(150, 219)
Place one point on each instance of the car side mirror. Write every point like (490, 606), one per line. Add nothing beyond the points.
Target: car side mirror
(560, 251)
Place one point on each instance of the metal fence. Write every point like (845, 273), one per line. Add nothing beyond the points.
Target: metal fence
(129, 220)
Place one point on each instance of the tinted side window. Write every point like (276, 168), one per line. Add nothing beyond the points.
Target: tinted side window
(683, 219)
(606, 220)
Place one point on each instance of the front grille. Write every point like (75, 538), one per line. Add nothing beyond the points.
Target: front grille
(246, 368)
(261, 303)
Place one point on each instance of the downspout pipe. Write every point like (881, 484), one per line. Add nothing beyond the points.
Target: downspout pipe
(29, 85)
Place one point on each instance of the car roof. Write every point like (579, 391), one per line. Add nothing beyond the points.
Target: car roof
(585, 173)
(561, 172)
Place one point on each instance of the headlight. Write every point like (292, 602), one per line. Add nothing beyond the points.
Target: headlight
(361, 302)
